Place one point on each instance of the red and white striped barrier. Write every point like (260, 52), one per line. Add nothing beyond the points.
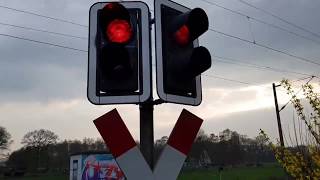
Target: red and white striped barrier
(128, 156)
(123, 147)
(179, 145)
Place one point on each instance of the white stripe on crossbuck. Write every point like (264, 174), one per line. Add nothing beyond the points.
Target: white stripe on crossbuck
(169, 164)
(134, 166)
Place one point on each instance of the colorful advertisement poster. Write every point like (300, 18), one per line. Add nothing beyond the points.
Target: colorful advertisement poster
(101, 167)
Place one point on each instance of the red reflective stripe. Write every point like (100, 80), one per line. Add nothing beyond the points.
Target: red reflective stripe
(184, 132)
(115, 133)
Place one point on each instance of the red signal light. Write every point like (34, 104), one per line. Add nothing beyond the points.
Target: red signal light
(182, 36)
(119, 31)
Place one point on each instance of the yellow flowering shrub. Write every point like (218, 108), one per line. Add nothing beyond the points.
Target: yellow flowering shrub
(301, 163)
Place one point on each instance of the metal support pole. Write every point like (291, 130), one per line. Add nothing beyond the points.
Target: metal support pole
(146, 132)
(278, 115)
(146, 117)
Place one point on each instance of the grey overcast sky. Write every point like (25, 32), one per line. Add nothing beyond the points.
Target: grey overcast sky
(45, 87)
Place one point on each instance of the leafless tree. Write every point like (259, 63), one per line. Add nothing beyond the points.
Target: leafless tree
(5, 141)
(39, 140)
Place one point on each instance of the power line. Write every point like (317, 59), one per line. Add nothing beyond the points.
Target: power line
(240, 82)
(42, 42)
(302, 79)
(266, 47)
(261, 21)
(80, 50)
(231, 80)
(43, 16)
(44, 31)
(284, 106)
(285, 30)
(253, 65)
(280, 18)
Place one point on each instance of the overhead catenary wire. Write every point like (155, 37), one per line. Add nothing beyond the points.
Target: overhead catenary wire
(44, 31)
(262, 21)
(215, 4)
(75, 49)
(235, 81)
(280, 18)
(43, 42)
(85, 51)
(66, 21)
(256, 66)
(266, 47)
(254, 42)
(42, 16)
(285, 105)
(212, 3)
(230, 80)
(302, 79)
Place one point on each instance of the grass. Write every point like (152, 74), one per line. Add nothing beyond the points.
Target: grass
(271, 172)
(267, 172)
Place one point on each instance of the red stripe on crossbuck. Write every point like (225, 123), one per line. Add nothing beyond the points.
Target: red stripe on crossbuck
(115, 133)
(184, 132)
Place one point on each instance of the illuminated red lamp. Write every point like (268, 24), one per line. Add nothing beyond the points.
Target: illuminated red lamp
(182, 36)
(119, 31)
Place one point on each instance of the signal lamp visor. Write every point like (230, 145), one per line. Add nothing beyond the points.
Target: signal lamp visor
(119, 31)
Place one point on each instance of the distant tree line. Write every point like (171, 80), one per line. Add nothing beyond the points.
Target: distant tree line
(43, 152)
(227, 148)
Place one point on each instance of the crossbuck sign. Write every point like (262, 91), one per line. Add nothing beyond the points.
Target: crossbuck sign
(128, 156)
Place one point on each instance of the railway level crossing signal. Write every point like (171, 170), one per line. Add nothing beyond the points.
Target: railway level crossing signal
(119, 53)
(120, 72)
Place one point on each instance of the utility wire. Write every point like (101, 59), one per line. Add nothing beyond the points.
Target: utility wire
(43, 16)
(70, 22)
(261, 21)
(266, 47)
(251, 30)
(285, 30)
(80, 50)
(212, 3)
(209, 2)
(302, 79)
(230, 80)
(256, 66)
(280, 18)
(42, 42)
(237, 81)
(44, 31)
(295, 94)
(234, 81)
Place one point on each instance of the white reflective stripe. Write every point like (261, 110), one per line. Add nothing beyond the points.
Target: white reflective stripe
(169, 164)
(134, 166)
